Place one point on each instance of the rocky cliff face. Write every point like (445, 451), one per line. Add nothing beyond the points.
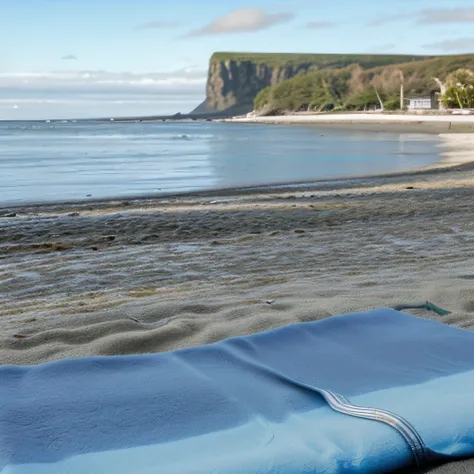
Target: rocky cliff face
(236, 83)
(230, 83)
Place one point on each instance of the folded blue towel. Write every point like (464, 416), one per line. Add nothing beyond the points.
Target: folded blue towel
(364, 392)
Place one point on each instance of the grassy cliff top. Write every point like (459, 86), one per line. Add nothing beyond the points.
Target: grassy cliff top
(321, 60)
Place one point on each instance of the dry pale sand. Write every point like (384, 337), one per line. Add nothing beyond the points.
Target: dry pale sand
(357, 117)
(151, 275)
(414, 123)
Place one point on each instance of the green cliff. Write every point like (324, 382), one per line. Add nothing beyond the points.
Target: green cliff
(235, 79)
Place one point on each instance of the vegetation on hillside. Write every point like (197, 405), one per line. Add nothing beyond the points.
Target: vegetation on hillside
(356, 87)
(459, 90)
(316, 60)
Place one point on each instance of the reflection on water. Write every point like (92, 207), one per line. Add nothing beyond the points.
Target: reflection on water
(64, 161)
(280, 154)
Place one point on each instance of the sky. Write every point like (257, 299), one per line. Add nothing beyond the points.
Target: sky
(96, 58)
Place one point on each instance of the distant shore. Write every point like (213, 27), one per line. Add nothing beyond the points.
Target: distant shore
(371, 121)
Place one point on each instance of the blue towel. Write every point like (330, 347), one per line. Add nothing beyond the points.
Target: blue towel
(364, 392)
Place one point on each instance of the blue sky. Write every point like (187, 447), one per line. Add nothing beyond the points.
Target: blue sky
(83, 58)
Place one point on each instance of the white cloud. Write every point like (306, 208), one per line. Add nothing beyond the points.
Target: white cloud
(457, 45)
(383, 20)
(69, 57)
(429, 16)
(446, 15)
(63, 94)
(242, 20)
(96, 79)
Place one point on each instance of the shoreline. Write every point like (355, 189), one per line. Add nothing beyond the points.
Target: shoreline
(459, 149)
(376, 122)
(355, 118)
(459, 152)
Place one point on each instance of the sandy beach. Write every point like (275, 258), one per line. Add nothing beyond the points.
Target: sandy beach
(374, 122)
(354, 117)
(157, 274)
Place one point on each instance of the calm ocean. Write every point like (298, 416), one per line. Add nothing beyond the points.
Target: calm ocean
(75, 161)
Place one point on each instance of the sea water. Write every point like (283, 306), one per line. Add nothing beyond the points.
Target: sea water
(56, 161)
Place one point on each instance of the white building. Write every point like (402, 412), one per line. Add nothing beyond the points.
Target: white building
(420, 103)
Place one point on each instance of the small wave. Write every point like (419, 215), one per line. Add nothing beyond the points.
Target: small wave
(194, 137)
(181, 137)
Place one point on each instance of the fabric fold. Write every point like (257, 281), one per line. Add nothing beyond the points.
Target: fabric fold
(363, 392)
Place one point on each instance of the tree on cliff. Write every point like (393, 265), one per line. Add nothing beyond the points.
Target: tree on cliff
(459, 91)
(346, 89)
(320, 90)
